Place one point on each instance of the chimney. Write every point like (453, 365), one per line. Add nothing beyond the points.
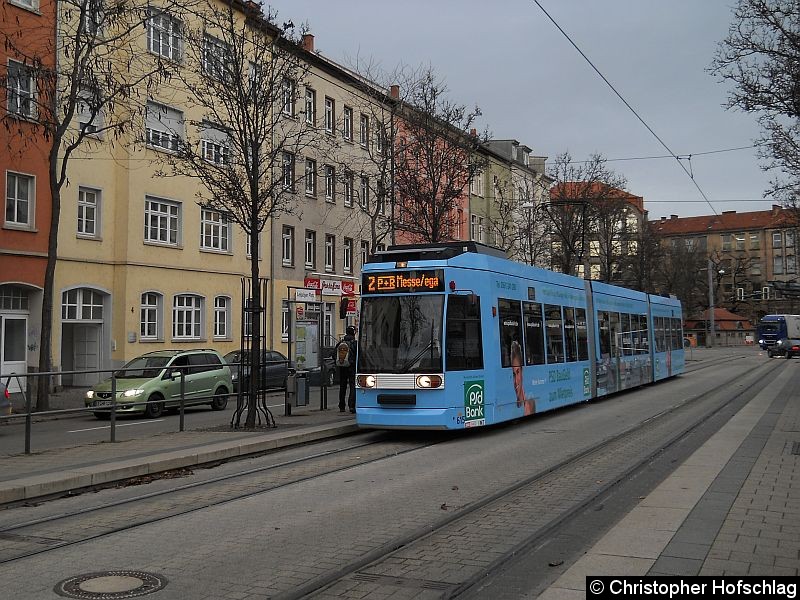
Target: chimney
(473, 132)
(776, 209)
(394, 91)
(307, 42)
(663, 219)
(728, 212)
(673, 217)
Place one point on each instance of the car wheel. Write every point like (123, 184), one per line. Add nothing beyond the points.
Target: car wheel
(220, 400)
(102, 416)
(154, 407)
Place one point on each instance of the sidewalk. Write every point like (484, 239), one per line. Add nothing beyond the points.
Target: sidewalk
(732, 508)
(23, 477)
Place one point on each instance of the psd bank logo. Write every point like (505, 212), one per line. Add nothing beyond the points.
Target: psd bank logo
(473, 403)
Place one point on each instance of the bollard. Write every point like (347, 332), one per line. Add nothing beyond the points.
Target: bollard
(183, 397)
(27, 422)
(113, 407)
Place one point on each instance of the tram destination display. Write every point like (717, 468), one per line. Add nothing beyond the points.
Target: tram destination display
(406, 282)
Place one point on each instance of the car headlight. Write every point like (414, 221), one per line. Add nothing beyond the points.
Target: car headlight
(132, 393)
(90, 394)
(760, 341)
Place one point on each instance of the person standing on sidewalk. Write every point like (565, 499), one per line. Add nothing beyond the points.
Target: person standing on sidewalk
(345, 355)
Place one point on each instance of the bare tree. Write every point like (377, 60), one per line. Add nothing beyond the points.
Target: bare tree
(682, 272)
(639, 265)
(436, 155)
(246, 131)
(77, 86)
(518, 225)
(760, 56)
(610, 230)
(576, 201)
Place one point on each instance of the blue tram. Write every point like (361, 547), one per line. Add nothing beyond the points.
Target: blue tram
(455, 336)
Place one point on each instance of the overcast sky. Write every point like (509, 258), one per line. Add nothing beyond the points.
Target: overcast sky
(533, 86)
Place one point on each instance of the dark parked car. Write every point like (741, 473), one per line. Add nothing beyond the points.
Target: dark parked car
(274, 369)
(787, 347)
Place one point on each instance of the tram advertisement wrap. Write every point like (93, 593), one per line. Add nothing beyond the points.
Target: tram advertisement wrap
(473, 404)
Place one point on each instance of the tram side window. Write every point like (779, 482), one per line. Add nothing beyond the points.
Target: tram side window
(534, 333)
(627, 334)
(555, 333)
(570, 337)
(604, 325)
(510, 313)
(582, 332)
(615, 334)
(635, 334)
(668, 334)
(464, 348)
(644, 338)
(677, 339)
(658, 333)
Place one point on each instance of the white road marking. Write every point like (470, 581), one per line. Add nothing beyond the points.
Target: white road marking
(118, 425)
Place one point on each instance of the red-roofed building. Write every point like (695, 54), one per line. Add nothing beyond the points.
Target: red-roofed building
(755, 254)
(730, 329)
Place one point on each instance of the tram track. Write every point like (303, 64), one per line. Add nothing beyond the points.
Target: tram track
(45, 534)
(39, 536)
(518, 529)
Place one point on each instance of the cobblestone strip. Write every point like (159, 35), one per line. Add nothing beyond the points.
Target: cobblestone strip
(438, 564)
(722, 535)
(21, 541)
(761, 533)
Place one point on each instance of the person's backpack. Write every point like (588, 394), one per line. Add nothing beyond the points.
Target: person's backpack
(342, 354)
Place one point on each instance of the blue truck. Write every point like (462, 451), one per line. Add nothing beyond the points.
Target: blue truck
(772, 328)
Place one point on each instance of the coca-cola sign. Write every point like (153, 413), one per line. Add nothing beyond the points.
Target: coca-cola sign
(312, 283)
(348, 288)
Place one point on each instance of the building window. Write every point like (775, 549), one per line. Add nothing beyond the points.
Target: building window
(476, 184)
(348, 189)
(380, 139)
(381, 205)
(777, 264)
(21, 88)
(81, 304)
(363, 136)
(222, 317)
(765, 293)
(214, 152)
(88, 212)
(288, 97)
(364, 252)
(777, 239)
(287, 246)
(19, 199)
(164, 127)
(755, 241)
(187, 317)
(311, 177)
(288, 171)
(364, 197)
(87, 110)
(162, 221)
(791, 264)
(164, 35)
(311, 106)
(215, 231)
(789, 239)
(330, 115)
(347, 123)
(311, 249)
(216, 58)
(348, 255)
(13, 298)
(739, 237)
(330, 253)
(727, 239)
(755, 267)
(248, 244)
(330, 183)
(150, 316)
(477, 228)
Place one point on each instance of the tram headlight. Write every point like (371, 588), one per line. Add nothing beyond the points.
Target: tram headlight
(429, 381)
(366, 381)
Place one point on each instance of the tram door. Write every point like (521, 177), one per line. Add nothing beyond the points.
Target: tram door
(12, 350)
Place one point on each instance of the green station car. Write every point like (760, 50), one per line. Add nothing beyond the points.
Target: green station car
(152, 382)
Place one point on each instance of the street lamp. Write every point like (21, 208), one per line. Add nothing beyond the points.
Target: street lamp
(712, 333)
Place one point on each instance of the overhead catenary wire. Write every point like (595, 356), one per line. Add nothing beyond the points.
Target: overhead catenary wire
(628, 105)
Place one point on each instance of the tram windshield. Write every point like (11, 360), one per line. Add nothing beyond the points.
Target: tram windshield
(401, 334)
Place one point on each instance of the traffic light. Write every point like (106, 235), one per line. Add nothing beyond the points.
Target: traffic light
(343, 307)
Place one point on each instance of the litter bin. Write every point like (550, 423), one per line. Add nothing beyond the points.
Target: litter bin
(291, 385)
(301, 381)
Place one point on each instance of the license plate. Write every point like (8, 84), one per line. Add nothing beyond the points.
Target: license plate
(99, 403)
